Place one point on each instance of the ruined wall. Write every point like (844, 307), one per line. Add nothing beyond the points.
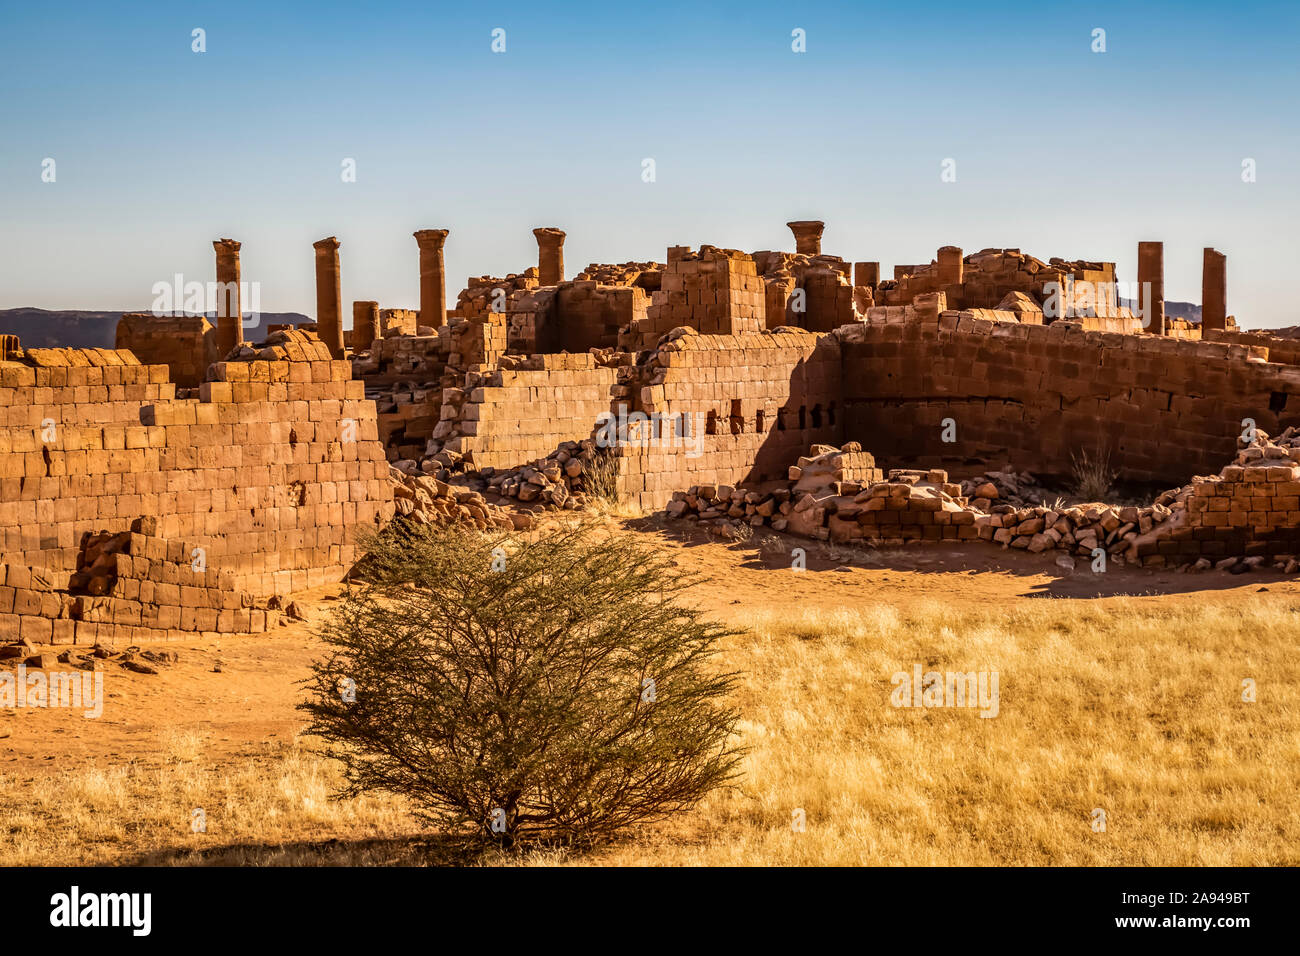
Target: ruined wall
(715, 291)
(588, 315)
(983, 279)
(1280, 350)
(271, 470)
(829, 300)
(393, 358)
(826, 284)
(762, 398)
(520, 414)
(482, 292)
(397, 322)
(644, 275)
(1028, 396)
(186, 344)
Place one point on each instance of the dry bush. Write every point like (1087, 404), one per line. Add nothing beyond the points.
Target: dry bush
(1093, 475)
(535, 689)
(600, 477)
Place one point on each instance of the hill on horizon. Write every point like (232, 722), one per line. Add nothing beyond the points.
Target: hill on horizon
(87, 329)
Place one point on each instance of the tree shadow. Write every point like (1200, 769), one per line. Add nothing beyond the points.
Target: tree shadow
(416, 850)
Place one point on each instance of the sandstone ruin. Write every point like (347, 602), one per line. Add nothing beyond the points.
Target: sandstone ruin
(799, 391)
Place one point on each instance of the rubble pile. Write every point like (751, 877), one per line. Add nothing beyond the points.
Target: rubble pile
(424, 499)
(1243, 518)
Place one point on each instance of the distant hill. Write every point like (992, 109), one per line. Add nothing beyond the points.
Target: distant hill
(1174, 310)
(77, 329)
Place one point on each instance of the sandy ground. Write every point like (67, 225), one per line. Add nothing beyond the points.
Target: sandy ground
(251, 701)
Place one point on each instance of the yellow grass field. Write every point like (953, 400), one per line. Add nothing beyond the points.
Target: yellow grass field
(1130, 704)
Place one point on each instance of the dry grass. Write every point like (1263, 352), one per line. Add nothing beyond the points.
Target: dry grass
(1093, 475)
(1127, 705)
(271, 808)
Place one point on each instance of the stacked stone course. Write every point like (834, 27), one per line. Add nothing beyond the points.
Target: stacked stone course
(129, 587)
(187, 344)
(270, 469)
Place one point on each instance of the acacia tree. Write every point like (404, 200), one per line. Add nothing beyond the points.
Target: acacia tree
(545, 688)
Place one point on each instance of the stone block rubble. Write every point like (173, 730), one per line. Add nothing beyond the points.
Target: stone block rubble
(1246, 516)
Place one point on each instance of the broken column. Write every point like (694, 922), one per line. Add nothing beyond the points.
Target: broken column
(433, 281)
(329, 296)
(1214, 291)
(1151, 286)
(365, 319)
(807, 236)
(230, 314)
(550, 255)
(952, 268)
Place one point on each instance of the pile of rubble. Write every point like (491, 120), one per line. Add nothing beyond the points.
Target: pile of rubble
(569, 478)
(833, 496)
(643, 274)
(131, 659)
(284, 345)
(423, 499)
(480, 295)
(1006, 487)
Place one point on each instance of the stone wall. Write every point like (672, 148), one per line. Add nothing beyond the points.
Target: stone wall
(715, 291)
(519, 414)
(186, 344)
(398, 322)
(1280, 350)
(589, 315)
(761, 398)
(826, 284)
(271, 470)
(985, 278)
(1029, 396)
(396, 357)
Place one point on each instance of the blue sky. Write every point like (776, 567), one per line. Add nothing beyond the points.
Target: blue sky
(1058, 150)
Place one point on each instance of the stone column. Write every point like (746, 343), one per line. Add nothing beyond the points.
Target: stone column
(365, 319)
(807, 236)
(550, 255)
(433, 279)
(329, 296)
(952, 268)
(230, 308)
(866, 274)
(1214, 291)
(1151, 275)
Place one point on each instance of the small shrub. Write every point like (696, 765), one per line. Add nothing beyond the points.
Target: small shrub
(1093, 475)
(600, 476)
(529, 689)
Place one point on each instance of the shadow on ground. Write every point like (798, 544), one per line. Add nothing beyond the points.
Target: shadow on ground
(422, 850)
(772, 550)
